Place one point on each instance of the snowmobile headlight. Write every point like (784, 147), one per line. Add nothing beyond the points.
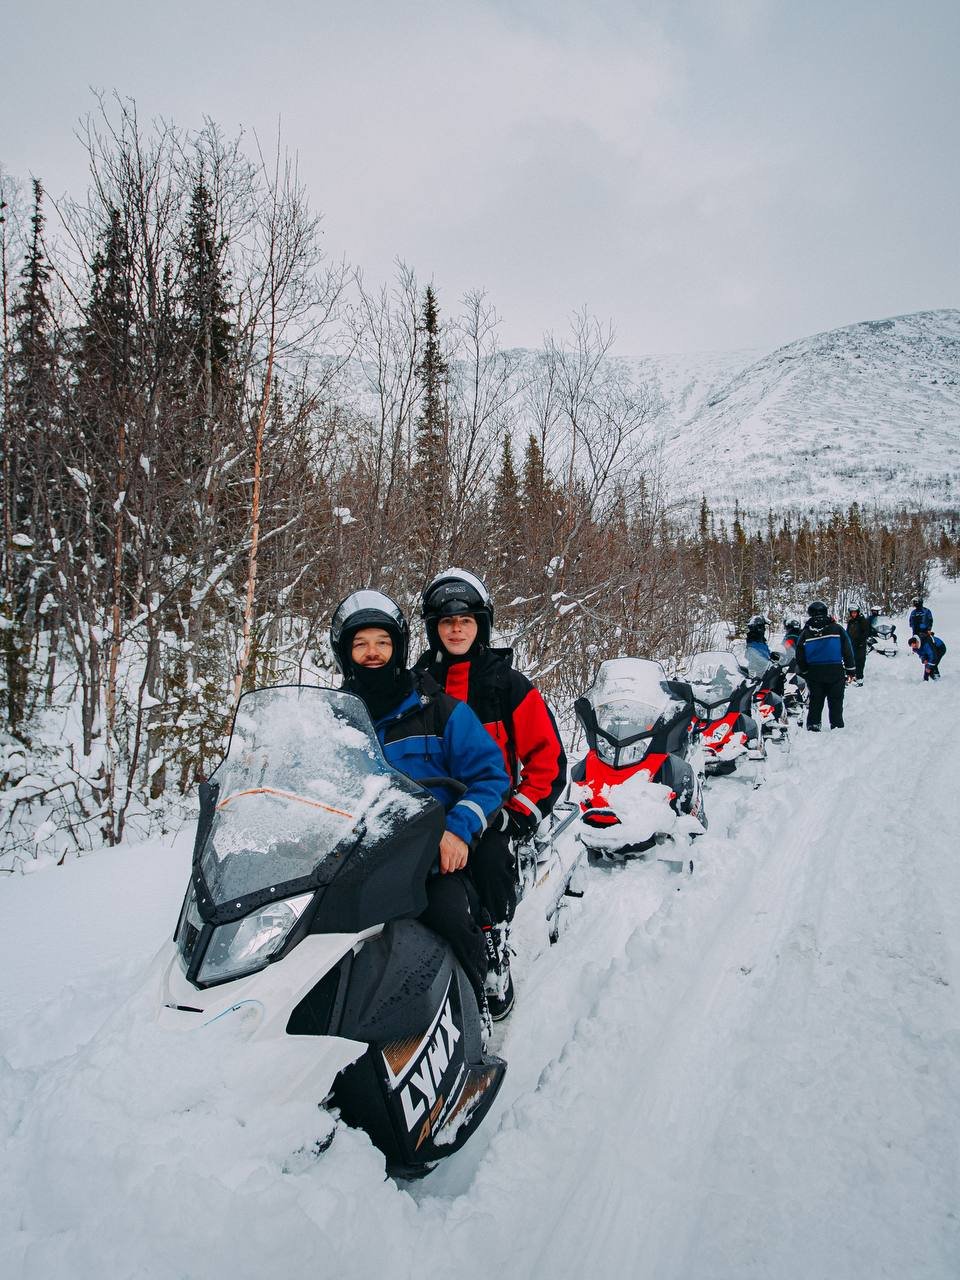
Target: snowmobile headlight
(606, 750)
(247, 945)
(634, 752)
(189, 927)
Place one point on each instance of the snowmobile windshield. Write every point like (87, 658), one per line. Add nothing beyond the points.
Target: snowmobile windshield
(883, 627)
(630, 698)
(757, 663)
(304, 778)
(714, 677)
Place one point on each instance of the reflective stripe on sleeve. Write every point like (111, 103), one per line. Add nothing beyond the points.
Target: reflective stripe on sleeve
(474, 808)
(529, 805)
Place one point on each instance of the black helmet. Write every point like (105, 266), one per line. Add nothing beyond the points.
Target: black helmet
(854, 608)
(452, 593)
(368, 608)
(757, 623)
(817, 611)
(917, 602)
(793, 624)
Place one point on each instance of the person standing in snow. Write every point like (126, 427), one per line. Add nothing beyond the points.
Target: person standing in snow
(825, 660)
(858, 629)
(426, 734)
(458, 615)
(929, 649)
(921, 619)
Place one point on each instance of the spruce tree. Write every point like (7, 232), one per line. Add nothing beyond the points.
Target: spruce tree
(30, 410)
(206, 303)
(430, 470)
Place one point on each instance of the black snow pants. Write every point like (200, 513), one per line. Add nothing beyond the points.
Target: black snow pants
(829, 690)
(453, 910)
(492, 867)
(859, 658)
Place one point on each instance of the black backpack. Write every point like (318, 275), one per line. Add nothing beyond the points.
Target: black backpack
(939, 646)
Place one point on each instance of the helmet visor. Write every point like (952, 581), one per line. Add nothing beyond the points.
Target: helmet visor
(365, 607)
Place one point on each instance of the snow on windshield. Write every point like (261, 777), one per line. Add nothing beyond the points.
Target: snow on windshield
(713, 675)
(303, 768)
(629, 695)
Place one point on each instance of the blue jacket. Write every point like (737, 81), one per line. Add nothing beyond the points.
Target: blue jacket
(929, 651)
(825, 654)
(921, 620)
(431, 735)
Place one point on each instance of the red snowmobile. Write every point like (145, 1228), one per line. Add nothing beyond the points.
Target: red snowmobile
(726, 723)
(640, 784)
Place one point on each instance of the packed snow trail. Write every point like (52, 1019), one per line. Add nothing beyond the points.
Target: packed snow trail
(748, 1072)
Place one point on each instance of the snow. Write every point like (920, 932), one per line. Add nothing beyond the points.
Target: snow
(870, 410)
(748, 1072)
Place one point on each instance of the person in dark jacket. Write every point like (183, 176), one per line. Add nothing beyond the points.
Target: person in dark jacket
(825, 660)
(858, 629)
(426, 734)
(929, 649)
(458, 614)
(791, 634)
(921, 619)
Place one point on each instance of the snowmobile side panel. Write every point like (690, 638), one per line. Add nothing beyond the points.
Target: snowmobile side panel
(424, 1083)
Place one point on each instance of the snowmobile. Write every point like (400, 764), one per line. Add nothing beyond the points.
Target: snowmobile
(771, 707)
(723, 692)
(640, 785)
(794, 685)
(309, 868)
(883, 636)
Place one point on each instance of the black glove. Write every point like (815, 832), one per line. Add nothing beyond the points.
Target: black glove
(518, 825)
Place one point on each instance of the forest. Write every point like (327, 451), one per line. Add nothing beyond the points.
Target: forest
(213, 430)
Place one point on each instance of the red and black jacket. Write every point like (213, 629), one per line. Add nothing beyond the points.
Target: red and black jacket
(515, 715)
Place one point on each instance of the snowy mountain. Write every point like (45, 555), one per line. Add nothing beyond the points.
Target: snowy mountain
(869, 412)
(744, 1073)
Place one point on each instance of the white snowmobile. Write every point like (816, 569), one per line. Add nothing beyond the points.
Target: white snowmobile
(310, 864)
(883, 636)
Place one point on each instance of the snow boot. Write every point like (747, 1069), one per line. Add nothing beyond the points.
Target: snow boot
(813, 728)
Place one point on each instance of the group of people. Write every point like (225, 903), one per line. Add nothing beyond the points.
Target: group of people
(829, 656)
(481, 737)
(483, 740)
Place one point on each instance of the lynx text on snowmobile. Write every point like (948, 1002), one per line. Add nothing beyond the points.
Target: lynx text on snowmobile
(769, 703)
(310, 862)
(640, 785)
(724, 695)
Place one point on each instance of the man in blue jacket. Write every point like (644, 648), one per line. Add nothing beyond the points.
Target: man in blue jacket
(929, 649)
(825, 660)
(921, 619)
(426, 734)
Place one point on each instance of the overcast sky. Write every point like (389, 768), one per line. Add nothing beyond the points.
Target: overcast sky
(707, 174)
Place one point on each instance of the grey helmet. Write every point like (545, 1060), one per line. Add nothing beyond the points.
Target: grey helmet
(368, 608)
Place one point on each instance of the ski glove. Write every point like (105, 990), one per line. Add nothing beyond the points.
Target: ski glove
(517, 825)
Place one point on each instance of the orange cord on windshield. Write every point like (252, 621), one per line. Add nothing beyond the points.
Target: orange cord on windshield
(286, 795)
